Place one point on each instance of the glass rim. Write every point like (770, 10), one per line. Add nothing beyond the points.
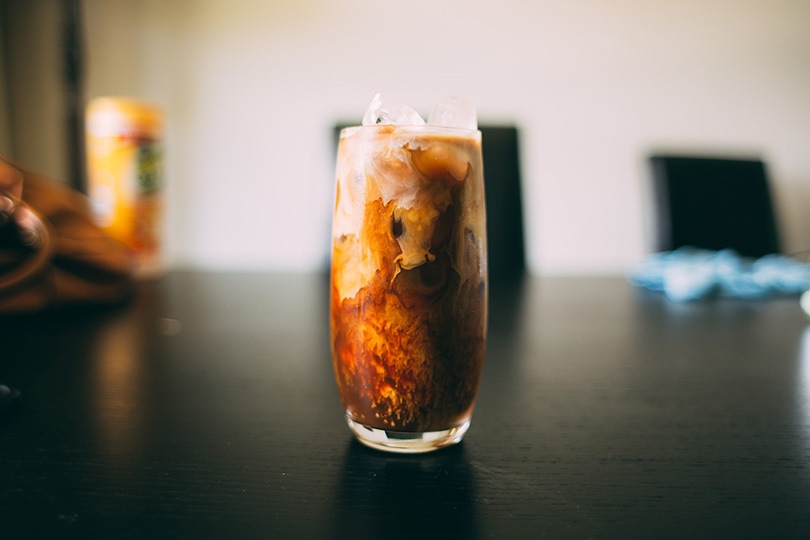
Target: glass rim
(412, 128)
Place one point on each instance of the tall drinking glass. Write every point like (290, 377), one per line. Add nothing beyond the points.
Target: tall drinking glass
(409, 283)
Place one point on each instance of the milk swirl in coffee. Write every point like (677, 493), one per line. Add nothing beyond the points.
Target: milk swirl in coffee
(408, 278)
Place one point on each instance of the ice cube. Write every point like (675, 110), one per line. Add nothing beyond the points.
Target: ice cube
(384, 110)
(454, 111)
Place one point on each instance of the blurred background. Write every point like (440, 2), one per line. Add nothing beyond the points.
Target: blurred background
(252, 88)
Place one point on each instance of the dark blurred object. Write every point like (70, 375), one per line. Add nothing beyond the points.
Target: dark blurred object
(74, 92)
(502, 183)
(51, 253)
(9, 399)
(713, 203)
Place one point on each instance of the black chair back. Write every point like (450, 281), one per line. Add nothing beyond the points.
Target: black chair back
(500, 146)
(713, 203)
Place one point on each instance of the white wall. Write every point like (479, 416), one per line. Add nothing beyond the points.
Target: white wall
(35, 114)
(252, 87)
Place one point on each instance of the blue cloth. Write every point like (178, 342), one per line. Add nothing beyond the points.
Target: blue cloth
(689, 274)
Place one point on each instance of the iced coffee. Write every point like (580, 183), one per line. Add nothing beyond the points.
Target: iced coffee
(408, 281)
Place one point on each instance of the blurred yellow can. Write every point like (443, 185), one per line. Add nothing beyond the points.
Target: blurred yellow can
(125, 176)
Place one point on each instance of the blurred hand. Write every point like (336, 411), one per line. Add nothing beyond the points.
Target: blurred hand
(11, 207)
(11, 179)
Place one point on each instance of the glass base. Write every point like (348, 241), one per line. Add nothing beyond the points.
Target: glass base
(407, 442)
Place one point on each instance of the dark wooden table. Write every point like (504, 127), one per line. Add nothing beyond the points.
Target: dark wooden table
(207, 408)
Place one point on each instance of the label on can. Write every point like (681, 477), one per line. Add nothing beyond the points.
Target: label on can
(125, 180)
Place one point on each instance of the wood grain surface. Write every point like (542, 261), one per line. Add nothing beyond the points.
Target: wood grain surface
(207, 408)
